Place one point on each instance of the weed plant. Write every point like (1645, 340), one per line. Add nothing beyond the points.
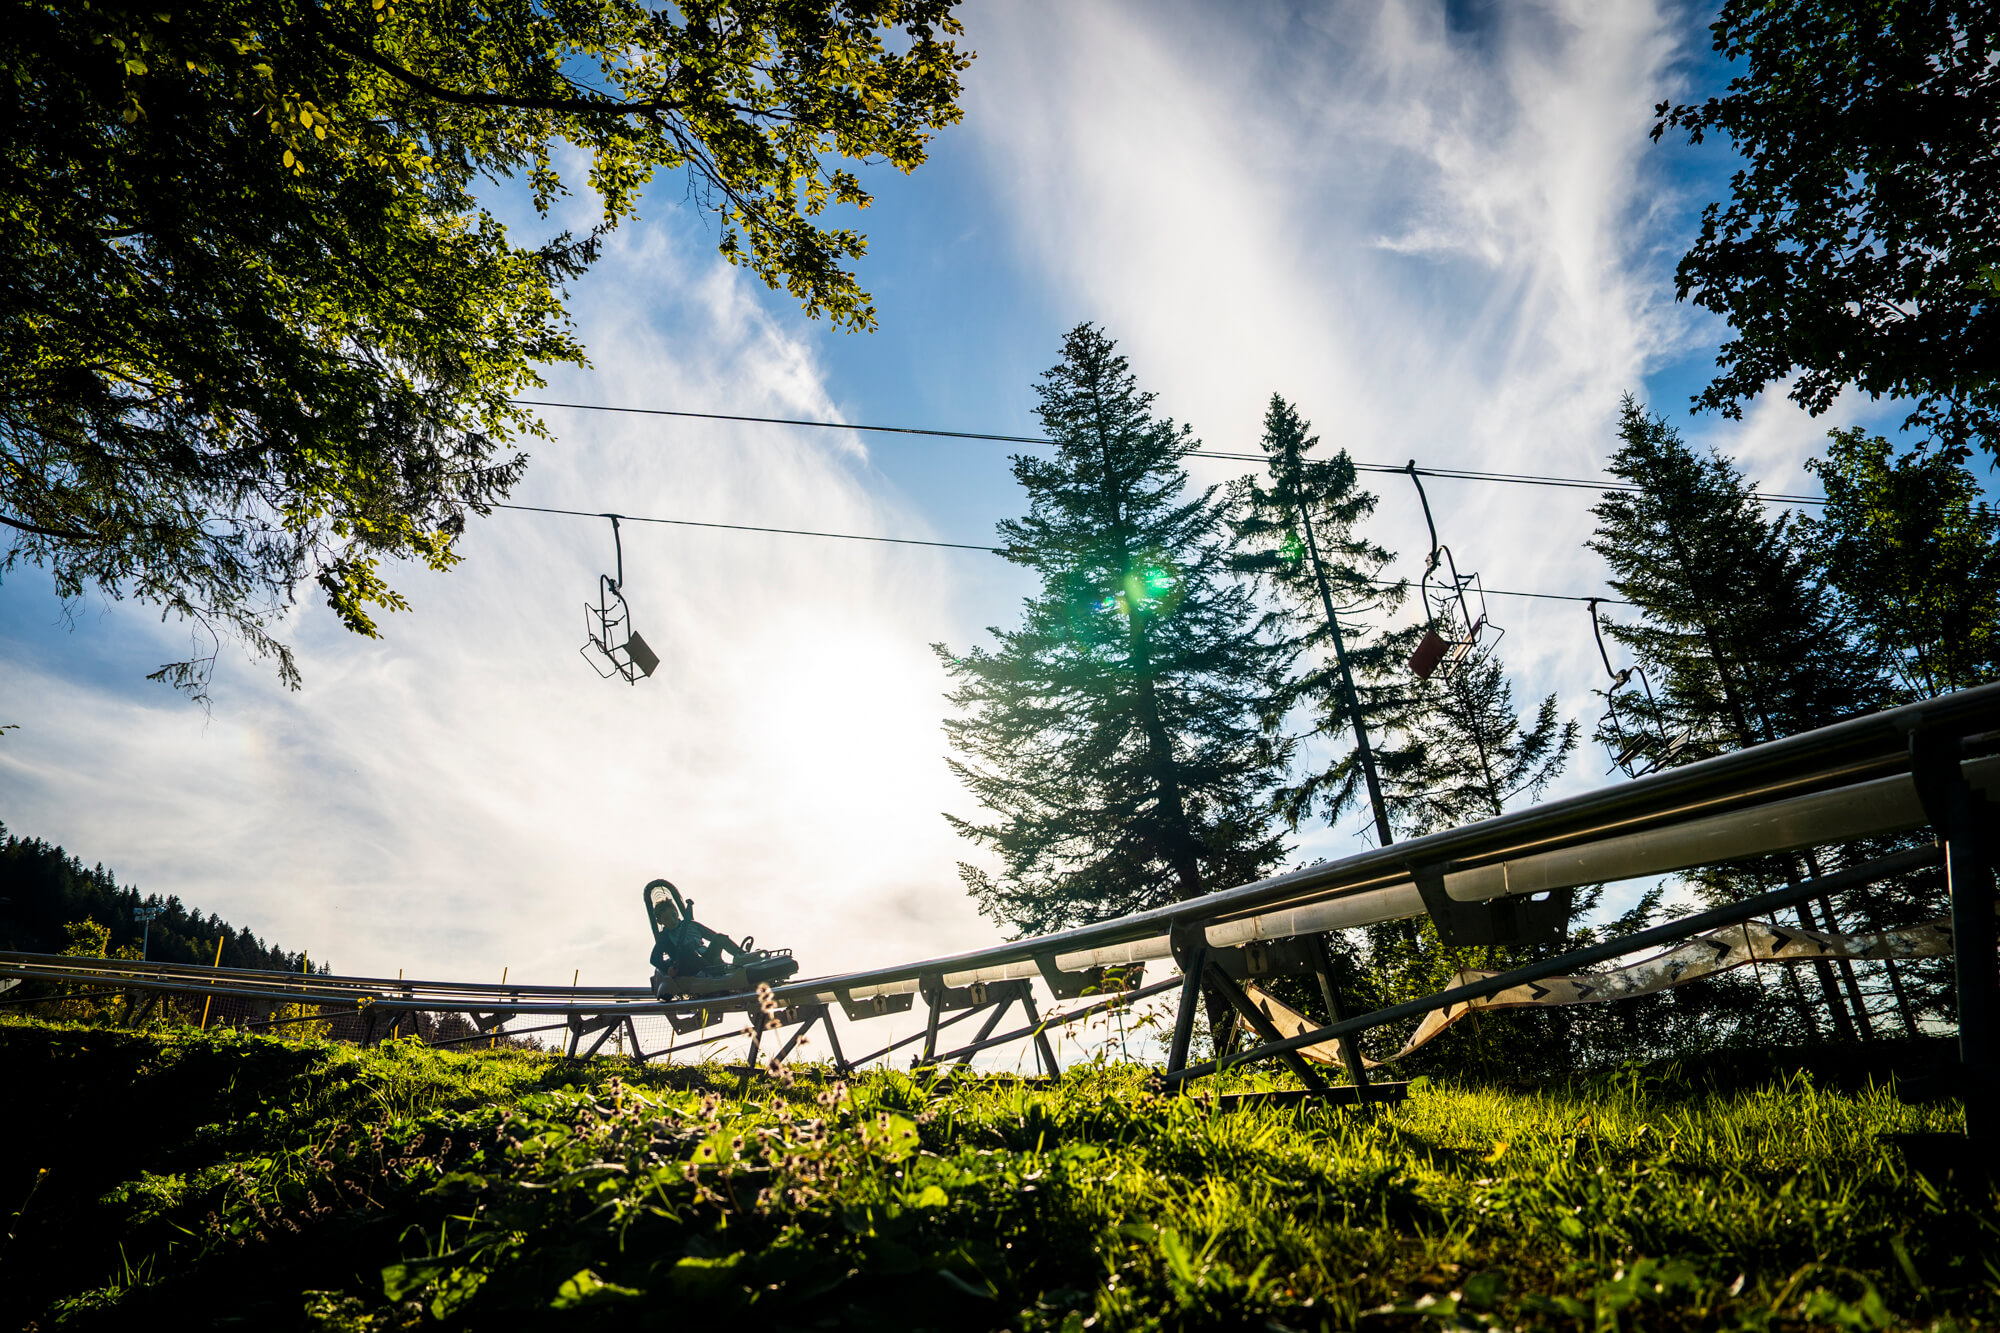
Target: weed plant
(173, 1178)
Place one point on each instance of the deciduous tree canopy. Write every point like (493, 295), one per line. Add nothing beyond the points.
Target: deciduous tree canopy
(258, 328)
(1860, 244)
(1915, 552)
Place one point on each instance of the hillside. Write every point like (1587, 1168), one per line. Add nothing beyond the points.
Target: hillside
(46, 888)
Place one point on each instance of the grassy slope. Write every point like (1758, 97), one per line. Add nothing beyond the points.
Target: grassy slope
(250, 1181)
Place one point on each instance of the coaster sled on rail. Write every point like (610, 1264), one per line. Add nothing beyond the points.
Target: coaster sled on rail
(690, 960)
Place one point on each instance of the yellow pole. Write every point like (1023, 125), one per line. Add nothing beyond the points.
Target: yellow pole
(210, 997)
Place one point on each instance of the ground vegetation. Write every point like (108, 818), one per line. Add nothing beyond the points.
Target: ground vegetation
(300, 1185)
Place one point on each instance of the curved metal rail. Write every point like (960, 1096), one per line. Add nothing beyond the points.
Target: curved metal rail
(1890, 772)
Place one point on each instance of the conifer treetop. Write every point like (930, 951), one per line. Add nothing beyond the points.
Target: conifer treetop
(1113, 736)
(1738, 632)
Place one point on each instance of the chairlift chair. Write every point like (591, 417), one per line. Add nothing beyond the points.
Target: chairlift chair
(613, 647)
(1631, 759)
(1452, 638)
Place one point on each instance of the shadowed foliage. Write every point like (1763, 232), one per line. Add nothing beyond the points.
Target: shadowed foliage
(260, 331)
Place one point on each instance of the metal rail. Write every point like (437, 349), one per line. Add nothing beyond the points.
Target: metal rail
(1896, 771)
(1680, 928)
(1478, 858)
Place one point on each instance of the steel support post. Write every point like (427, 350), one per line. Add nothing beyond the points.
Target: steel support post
(1192, 967)
(1044, 1052)
(603, 1035)
(840, 1065)
(986, 1028)
(936, 1003)
(145, 1010)
(1968, 869)
(750, 1060)
(1266, 1030)
(818, 1012)
(1350, 1048)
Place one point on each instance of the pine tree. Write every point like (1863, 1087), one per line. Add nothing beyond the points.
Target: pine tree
(1461, 753)
(1740, 635)
(1297, 535)
(1115, 734)
(1467, 753)
(1742, 639)
(1914, 551)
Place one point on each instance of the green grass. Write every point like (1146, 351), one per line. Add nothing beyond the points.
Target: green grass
(227, 1180)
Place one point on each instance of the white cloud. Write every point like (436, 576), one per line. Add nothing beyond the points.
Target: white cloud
(1441, 245)
(1436, 245)
(465, 795)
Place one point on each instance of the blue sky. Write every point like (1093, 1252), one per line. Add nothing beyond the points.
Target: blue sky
(1441, 231)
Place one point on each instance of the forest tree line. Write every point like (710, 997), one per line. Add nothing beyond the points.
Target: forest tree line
(49, 897)
(1141, 737)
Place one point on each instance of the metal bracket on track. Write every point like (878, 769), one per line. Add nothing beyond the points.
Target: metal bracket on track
(1495, 921)
(874, 1006)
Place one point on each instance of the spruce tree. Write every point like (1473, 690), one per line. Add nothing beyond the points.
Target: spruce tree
(1114, 736)
(1467, 755)
(1914, 552)
(1462, 753)
(1297, 535)
(1449, 750)
(1740, 635)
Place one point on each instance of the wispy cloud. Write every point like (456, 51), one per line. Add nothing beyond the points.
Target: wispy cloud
(465, 795)
(1441, 244)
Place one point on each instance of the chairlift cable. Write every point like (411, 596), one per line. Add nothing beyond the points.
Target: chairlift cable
(747, 527)
(917, 541)
(1447, 473)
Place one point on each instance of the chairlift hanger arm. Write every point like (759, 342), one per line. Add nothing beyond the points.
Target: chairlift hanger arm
(1597, 632)
(1425, 501)
(1441, 553)
(618, 545)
